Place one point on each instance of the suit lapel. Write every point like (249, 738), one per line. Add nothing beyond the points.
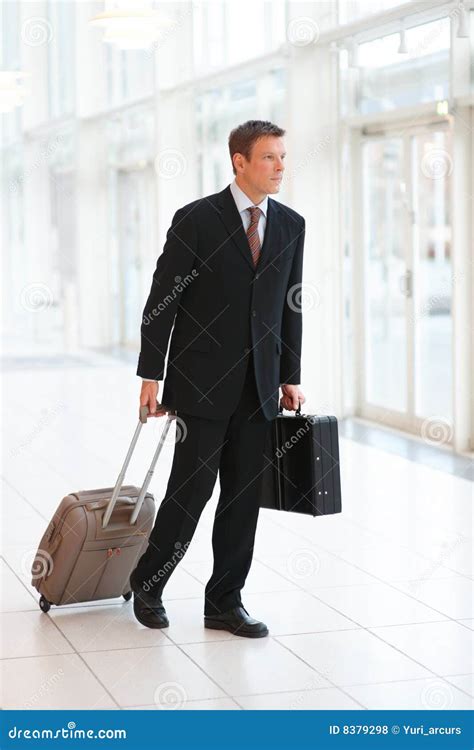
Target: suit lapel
(233, 222)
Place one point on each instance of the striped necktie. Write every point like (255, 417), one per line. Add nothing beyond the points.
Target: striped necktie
(252, 233)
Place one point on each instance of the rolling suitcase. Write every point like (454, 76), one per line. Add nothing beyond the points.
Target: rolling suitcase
(96, 537)
(302, 473)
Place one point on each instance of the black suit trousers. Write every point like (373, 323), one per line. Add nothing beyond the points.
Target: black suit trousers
(232, 446)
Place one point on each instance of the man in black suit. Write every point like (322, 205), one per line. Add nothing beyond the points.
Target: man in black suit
(229, 279)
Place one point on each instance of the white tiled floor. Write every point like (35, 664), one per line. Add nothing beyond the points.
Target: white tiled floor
(371, 608)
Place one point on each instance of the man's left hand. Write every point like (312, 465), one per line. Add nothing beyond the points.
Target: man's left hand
(291, 396)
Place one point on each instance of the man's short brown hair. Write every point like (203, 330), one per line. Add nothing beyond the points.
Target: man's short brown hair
(244, 136)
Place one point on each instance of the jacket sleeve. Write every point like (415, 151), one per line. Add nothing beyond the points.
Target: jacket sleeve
(173, 272)
(292, 321)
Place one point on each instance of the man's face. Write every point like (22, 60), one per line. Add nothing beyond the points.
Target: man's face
(264, 170)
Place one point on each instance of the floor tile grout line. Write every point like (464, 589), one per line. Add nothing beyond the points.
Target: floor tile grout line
(275, 640)
(433, 674)
(331, 686)
(187, 657)
(188, 702)
(320, 674)
(311, 593)
(379, 582)
(358, 684)
(74, 651)
(216, 683)
(369, 629)
(231, 639)
(298, 588)
(377, 579)
(25, 499)
(379, 538)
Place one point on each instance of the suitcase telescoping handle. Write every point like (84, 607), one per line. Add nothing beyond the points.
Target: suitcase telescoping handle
(149, 474)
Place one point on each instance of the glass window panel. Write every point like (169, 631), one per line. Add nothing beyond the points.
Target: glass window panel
(226, 32)
(130, 74)
(471, 26)
(219, 110)
(61, 58)
(354, 10)
(431, 177)
(385, 79)
(384, 273)
(245, 27)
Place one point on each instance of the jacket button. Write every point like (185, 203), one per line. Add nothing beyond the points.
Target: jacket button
(254, 312)
(257, 275)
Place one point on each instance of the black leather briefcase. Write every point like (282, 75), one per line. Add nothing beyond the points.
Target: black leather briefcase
(301, 472)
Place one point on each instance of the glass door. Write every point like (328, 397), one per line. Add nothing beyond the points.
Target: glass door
(135, 220)
(431, 168)
(385, 273)
(406, 279)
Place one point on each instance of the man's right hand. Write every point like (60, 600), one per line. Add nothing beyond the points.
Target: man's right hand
(149, 397)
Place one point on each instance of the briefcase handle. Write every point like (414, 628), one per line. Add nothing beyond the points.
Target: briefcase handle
(118, 485)
(297, 412)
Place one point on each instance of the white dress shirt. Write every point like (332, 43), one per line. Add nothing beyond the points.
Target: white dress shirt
(243, 202)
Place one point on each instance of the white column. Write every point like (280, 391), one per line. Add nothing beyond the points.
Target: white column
(313, 147)
(92, 237)
(462, 207)
(36, 33)
(91, 81)
(175, 148)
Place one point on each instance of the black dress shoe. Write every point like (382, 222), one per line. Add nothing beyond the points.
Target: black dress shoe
(238, 622)
(148, 610)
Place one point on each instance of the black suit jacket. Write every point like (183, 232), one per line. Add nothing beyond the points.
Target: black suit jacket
(222, 307)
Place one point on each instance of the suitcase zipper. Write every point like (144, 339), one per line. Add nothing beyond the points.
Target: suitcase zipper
(117, 550)
(58, 528)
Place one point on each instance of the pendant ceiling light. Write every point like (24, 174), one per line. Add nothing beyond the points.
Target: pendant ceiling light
(131, 25)
(463, 21)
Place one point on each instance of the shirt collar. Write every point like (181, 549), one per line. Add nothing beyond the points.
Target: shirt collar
(242, 200)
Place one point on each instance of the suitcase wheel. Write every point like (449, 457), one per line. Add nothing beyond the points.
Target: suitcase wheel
(127, 596)
(44, 604)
